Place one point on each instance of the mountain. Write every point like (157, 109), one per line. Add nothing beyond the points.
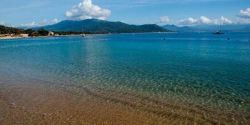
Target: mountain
(9, 30)
(101, 26)
(179, 28)
(210, 28)
(229, 28)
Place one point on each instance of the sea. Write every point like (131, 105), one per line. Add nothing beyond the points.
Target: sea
(194, 68)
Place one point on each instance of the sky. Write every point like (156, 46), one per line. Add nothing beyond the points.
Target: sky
(179, 12)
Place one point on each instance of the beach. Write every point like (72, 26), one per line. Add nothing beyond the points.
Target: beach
(9, 37)
(13, 36)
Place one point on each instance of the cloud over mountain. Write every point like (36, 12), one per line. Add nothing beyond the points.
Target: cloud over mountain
(224, 20)
(164, 19)
(203, 20)
(87, 10)
(245, 13)
(41, 23)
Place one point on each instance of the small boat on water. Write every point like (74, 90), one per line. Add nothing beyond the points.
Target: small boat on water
(83, 35)
(218, 33)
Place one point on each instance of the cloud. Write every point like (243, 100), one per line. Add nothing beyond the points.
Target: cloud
(193, 21)
(2, 23)
(48, 22)
(203, 20)
(243, 21)
(6, 24)
(42, 23)
(243, 16)
(164, 19)
(245, 13)
(188, 21)
(224, 20)
(31, 24)
(87, 10)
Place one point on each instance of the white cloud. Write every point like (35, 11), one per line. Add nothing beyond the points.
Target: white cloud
(87, 10)
(243, 16)
(31, 24)
(224, 20)
(6, 24)
(164, 19)
(54, 20)
(42, 23)
(2, 23)
(245, 13)
(48, 22)
(203, 20)
(188, 21)
(243, 21)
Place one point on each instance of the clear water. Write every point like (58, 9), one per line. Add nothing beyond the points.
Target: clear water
(197, 67)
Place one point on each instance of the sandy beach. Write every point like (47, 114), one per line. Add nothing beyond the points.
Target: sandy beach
(10, 37)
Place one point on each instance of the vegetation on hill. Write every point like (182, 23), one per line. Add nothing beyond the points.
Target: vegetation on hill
(100, 26)
(9, 30)
(16, 31)
(89, 26)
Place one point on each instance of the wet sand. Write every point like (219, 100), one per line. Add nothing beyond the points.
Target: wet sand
(29, 103)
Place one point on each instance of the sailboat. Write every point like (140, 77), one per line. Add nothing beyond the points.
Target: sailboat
(83, 34)
(219, 32)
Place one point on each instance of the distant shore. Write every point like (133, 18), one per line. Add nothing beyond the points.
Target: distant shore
(9, 37)
(18, 37)
(13, 36)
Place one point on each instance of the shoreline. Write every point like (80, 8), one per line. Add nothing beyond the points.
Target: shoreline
(18, 37)
(10, 37)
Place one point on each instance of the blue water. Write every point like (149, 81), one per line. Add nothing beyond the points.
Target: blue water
(199, 68)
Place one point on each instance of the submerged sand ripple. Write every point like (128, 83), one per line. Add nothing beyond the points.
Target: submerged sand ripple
(26, 103)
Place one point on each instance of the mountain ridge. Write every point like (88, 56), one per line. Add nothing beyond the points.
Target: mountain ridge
(101, 26)
(9, 30)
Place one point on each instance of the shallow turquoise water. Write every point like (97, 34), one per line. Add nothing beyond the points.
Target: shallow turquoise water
(194, 67)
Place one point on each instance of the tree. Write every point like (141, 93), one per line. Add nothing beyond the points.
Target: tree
(29, 31)
(43, 32)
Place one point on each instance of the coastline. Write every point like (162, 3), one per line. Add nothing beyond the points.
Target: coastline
(13, 36)
(18, 37)
(10, 37)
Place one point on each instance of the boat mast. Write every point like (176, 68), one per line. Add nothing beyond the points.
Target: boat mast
(83, 35)
(220, 24)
